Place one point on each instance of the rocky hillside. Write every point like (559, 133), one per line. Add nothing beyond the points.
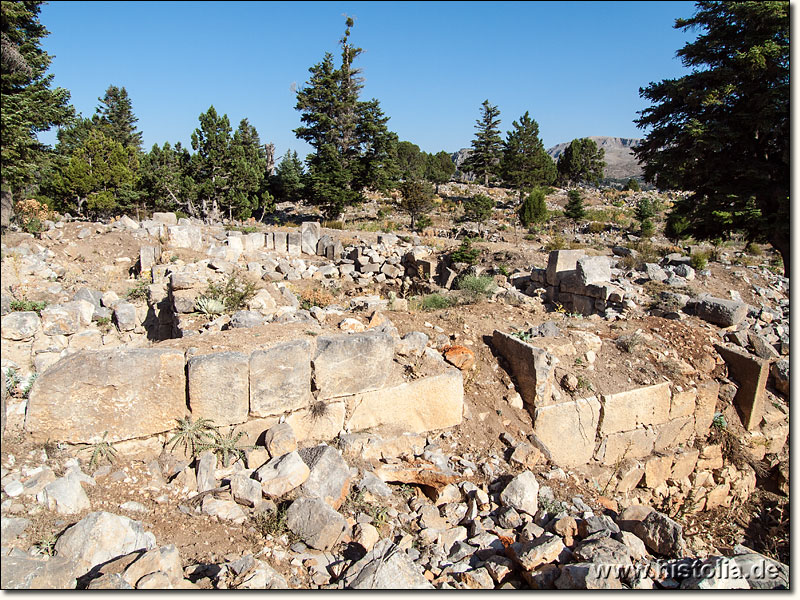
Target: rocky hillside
(620, 161)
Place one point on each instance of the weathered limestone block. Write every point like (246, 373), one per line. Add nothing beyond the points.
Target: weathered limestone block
(130, 393)
(253, 241)
(168, 218)
(565, 432)
(683, 463)
(657, 469)
(724, 313)
(280, 378)
(61, 319)
(637, 443)
(219, 387)
(294, 243)
(20, 326)
(352, 363)
(281, 243)
(594, 269)
(560, 262)
(183, 301)
(149, 256)
(751, 374)
(683, 403)
(532, 367)
(310, 232)
(422, 405)
(706, 405)
(185, 236)
(642, 406)
(673, 432)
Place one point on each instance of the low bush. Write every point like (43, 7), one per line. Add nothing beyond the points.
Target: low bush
(699, 260)
(476, 286)
(27, 306)
(435, 302)
(466, 253)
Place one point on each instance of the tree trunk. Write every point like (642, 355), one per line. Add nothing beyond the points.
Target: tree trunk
(780, 242)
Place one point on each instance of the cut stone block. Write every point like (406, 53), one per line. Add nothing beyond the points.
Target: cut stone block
(626, 444)
(594, 269)
(673, 432)
(724, 313)
(425, 404)
(683, 463)
(185, 236)
(657, 469)
(294, 243)
(643, 406)
(130, 393)
(281, 241)
(310, 232)
(560, 262)
(566, 432)
(533, 368)
(352, 363)
(706, 405)
(280, 378)
(219, 387)
(751, 374)
(683, 403)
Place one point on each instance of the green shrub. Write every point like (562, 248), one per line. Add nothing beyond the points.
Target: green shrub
(574, 209)
(648, 229)
(533, 209)
(753, 249)
(435, 302)
(478, 208)
(138, 291)
(242, 228)
(333, 224)
(234, 293)
(481, 285)
(557, 242)
(595, 227)
(466, 253)
(699, 260)
(27, 306)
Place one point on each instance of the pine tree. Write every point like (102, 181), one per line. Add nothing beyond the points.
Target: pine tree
(439, 168)
(581, 162)
(722, 131)
(27, 103)
(416, 199)
(211, 163)
(525, 163)
(115, 114)
(487, 145)
(533, 209)
(287, 183)
(165, 179)
(248, 174)
(574, 209)
(478, 208)
(410, 161)
(353, 149)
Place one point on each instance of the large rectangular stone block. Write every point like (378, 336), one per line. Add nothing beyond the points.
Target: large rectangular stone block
(673, 433)
(294, 243)
(724, 313)
(617, 447)
(705, 406)
(280, 378)
(219, 387)
(561, 261)
(185, 236)
(751, 374)
(594, 269)
(643, 406)
(253, 241)
(566, 432)
(422, 405)
(532, 367)
(683, 403)
(129, 393)
(281, 243)
(269, 241)
(310, 232)
(352, 363)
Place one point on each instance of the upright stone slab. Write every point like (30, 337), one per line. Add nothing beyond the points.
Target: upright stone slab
(269, 241)
(281, 243)
(294, 243)
(280, 378)
(323, 243)
(421, 405)
(219, 387)
(532, 367)
(310, 232)
(149, 256)
(751, 374)
(253, 241)
(352, 363)
(566, 432)
(593, 269)
(334, 251)
(560, 262)
(129, 393)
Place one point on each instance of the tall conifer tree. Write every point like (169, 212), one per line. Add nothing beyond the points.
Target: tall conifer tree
(487, 145)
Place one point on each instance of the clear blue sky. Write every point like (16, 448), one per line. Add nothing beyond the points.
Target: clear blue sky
(576, 66)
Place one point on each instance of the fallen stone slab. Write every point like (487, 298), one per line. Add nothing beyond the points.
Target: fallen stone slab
(751, 374)
(385, 567)
(317, 524)
(561, 263)
(532, 367)
(660, 534)
(100, 537)
(593, 270)
(625, 411)
(522, 493)
(718, 311)
(129, 393)
(329, 477)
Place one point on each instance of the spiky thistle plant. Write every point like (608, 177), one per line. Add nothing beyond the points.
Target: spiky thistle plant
(192, 434)
(102, 451)
(225, 446)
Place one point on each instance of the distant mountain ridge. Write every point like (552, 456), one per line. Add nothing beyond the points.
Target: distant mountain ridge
(620, 161)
